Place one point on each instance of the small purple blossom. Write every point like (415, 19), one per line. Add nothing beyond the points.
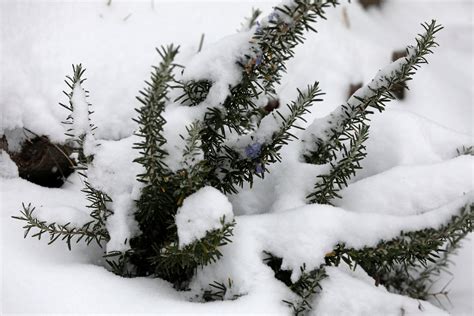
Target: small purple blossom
(259, 168)
(258, 60)
(258, 30)
(273, 16)
(253, 150)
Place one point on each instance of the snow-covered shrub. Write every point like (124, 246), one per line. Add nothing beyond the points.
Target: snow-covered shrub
(161, 200)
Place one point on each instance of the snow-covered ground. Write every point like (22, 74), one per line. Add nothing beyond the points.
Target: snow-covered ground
(411, 177)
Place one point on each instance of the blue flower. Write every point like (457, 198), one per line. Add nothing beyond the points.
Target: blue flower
(258, 60)
(258, 30)
(259, 168)
(253, 150)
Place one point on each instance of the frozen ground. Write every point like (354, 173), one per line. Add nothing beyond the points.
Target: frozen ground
(411, 178)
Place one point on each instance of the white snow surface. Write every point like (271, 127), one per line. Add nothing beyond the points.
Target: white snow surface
(337, 300)
(202, 212)
(8, 168)
(411, 179)
(418, 188)
(119, 181)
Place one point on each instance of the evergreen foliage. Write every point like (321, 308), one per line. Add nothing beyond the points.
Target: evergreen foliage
(405, 264)
(98, 200)
(272, 45)
(180, 263)
(410, 248)
(156, 224)
(219, 291)
(306, 286)
(87, 232)
(350, 123)
(341, 171)
(410, 263)
(155, 251)
(76, 139)
(465, 150)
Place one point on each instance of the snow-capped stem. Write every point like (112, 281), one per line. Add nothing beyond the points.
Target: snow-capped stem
(273, 42)
(328, 185)
(326, 135)
(99, 206)
(239, 169)
(79, 126)
(406, 264)
(192, 147)
(350, 122)
(298, 109)
(410, 249)
(80, 133)
(417, 280)
(180, 263)
(278, 34)
(157, 203)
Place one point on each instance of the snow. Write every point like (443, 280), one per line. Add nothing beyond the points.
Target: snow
(316, 229)
(8, 168)
(80, 111)
(420, 141)
(61, 215)
(322, 128)
(15, 138)
(411, 178)
(337, 300)
(419, 188)
(202, 212)
(212, 60)
(118, 181)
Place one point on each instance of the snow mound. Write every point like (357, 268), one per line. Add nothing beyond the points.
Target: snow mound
(408, 190)
(316, 229)
(202, 212)
(339, 300)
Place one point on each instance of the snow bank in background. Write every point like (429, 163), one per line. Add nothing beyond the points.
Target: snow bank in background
(202, 212)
